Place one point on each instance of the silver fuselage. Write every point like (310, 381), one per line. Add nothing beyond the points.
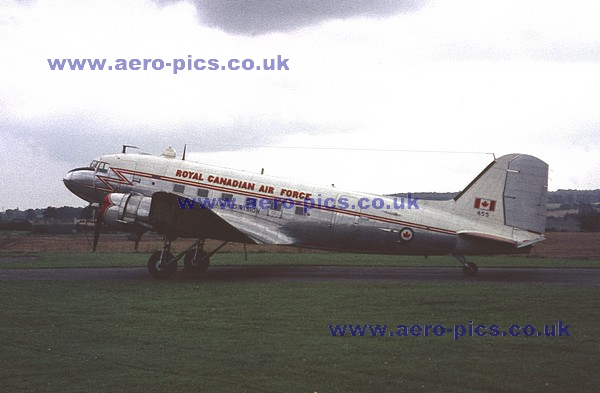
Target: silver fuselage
(312, 215)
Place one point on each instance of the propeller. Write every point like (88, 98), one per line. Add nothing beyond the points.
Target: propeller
(99, 209)
(97, 228)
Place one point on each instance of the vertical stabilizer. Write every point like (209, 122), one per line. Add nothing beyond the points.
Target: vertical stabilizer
(511, 191)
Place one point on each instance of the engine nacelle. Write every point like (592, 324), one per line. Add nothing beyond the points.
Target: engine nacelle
(163, 214)
(126, 209)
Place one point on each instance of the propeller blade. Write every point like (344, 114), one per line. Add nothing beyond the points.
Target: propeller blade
(97, 228)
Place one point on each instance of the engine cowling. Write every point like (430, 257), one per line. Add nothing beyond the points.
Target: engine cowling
(126, 209)
(163, 214)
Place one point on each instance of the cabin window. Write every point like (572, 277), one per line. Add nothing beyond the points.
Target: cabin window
(299, 210)
(250, 203)
(226, 197)
(178, 188)
(202, 192)
(276, 205)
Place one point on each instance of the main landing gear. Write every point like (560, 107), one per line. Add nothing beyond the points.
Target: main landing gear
(469, 268)
(163, 265)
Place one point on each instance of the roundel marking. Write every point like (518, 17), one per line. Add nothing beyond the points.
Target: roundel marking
(406, 234)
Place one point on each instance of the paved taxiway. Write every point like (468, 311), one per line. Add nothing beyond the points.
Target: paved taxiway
(555, 276)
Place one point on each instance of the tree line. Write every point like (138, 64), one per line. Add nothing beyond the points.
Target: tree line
(586, 203)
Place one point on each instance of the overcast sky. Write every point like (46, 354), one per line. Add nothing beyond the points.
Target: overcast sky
(447, 76)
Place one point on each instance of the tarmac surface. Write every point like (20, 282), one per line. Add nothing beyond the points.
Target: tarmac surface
(541, 276)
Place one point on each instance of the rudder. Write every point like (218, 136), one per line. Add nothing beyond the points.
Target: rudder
(526, 194)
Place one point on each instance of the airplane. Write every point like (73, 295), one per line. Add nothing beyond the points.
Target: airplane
(502, 211)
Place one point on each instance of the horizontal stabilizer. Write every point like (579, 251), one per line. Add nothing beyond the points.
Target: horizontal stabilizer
(486, 236)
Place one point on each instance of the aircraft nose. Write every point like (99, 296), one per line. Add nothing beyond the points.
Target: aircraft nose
(69, 181)
(68, 178)
(80, 181)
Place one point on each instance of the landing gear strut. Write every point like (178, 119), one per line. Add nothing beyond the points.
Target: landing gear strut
(163, 265)
(196, 262)
(469, 268)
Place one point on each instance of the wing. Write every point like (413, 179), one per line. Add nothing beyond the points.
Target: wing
(167, 216)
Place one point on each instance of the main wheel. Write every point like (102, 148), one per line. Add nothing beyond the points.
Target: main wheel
(195, 262)
(158, 267)
(470, 269)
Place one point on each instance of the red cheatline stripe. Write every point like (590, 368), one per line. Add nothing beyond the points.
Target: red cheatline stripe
(123, 180)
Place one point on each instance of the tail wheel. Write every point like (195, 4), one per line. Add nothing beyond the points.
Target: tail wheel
(196, 262)
(470, 269)
(157, 265)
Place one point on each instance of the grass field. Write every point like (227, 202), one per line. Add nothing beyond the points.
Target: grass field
(179, 335)
(154, 336)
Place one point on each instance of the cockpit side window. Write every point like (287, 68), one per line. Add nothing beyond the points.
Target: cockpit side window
(102, 167)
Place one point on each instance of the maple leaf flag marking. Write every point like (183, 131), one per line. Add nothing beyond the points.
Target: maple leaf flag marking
(406, 234)
(485, 204)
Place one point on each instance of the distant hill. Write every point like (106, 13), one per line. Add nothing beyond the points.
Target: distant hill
(572, 198)
(429, 196)
(568, 210)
